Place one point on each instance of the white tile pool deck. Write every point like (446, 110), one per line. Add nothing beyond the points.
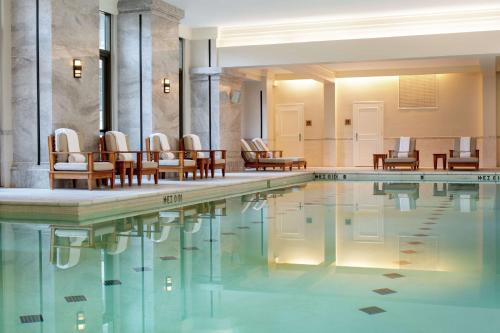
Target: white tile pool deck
(80, 204)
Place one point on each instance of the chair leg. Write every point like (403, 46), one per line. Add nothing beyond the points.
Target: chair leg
(131, 177)
(224, 171)
(112, 180)
(122, 175)
(194, 175)
(98, 183)
(212, 171)
(139, 178)
(90, 181)
(51, 181)
(181, 176)
(157, 175)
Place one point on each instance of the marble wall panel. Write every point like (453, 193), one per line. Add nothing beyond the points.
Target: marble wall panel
(75, 35)
(230, 122)
(165, 62)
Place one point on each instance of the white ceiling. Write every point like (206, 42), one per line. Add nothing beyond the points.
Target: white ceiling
(219, 13)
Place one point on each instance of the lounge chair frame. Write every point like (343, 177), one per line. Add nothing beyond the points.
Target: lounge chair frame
(257, 163)
(452, 165)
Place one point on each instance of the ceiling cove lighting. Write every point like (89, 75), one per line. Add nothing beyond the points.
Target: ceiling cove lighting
(413, 24)
(77, 68)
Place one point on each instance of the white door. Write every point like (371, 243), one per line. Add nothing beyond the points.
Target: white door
(368, 123)
(290, 129)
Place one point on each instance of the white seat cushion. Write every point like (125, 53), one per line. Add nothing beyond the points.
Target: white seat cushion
(98, 166)
(176, 163)
(149, 165)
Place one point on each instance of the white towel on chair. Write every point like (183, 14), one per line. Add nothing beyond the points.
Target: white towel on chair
(404, 202)
(121, 145)
(465, 146)
(404, 146)
(73, 145)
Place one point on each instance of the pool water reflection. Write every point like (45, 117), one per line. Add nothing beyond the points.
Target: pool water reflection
(320, 257)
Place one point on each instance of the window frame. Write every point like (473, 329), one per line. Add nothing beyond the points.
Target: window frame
(105, 57)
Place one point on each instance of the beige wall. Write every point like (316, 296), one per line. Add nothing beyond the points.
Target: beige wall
(310, 93)
(458, 114)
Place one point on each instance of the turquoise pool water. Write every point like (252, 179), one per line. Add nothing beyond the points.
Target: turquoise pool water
(415, 257)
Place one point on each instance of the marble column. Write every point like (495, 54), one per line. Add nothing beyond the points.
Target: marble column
(329, 144)
(231, 111)
(148, 36)
(489, 147)
(200, 110)
(26, 170)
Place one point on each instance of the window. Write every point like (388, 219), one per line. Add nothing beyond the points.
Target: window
(104, 72)
(418, 91)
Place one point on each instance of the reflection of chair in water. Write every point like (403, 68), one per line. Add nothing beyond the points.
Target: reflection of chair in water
(439, 192)
(405, 194)
(465, 195)
(71, 251)
(186, 216)
(121, 244)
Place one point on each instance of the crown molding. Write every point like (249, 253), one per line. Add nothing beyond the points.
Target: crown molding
(361, 28)
(157, 7)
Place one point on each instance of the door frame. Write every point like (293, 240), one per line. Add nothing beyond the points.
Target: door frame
(380, 117)
(277, 131)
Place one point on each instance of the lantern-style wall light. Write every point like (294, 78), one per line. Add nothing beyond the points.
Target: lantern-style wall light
(166, 86)
(77, 68)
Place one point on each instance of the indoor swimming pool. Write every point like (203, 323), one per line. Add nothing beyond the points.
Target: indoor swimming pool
(315, 257)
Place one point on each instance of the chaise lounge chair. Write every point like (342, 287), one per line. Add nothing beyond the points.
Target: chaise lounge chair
(117, 143)
(297, 161)
(464, 154)
(66, 161)
(257, 159)
(158, 142)
(403, 155)
(217, 157)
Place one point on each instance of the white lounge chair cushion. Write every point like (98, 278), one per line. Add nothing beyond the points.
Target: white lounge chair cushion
(159, 142)
(67, 142)
(98, 166)
(176, 163)
(192, 142)
(247, 151)
(117, 141)
(465, 147)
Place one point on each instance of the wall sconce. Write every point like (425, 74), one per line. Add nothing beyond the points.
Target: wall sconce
(80, 321)
(77, 68)
(168, 284)
(166, 86)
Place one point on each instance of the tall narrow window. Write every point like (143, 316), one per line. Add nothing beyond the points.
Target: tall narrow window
(105, 72)
(181, 87)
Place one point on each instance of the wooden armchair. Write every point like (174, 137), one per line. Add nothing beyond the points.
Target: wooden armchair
(168, 161)
(191, 143)
(470, 160)
(75, 165)
(411, 160)
(116, 142)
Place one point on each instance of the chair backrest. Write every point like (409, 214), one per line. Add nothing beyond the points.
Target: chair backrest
(159, 142)
(259, 143)
(193, 142)
(67, 141)
(117, 141)
(471, 149)
(412, 148)
(248, 155)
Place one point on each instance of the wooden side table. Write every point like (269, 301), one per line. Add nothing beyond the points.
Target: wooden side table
(376, 158)
(435, 158)
(203, 164)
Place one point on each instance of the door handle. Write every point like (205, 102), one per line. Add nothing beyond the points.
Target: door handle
(356, 136)
(300, 137)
